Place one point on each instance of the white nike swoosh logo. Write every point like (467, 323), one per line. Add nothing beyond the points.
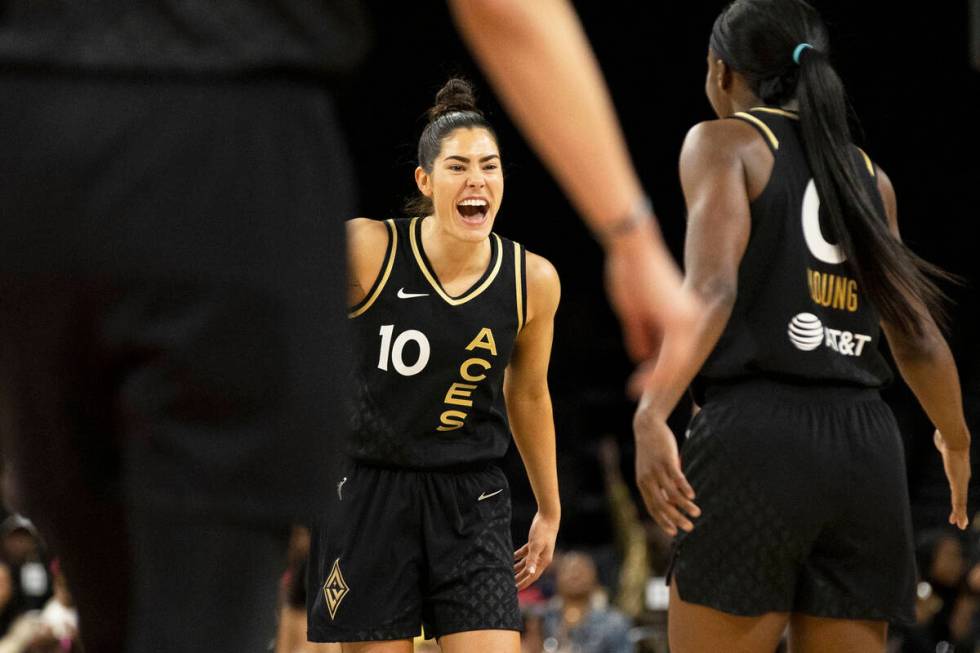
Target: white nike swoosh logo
(487, 496)
(408, 295)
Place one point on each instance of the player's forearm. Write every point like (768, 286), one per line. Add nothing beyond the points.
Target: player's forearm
(678, 364)
(540, 62)
(533, 426)
(927, 365)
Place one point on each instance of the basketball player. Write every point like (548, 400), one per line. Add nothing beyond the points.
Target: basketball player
(792, 506)
(449, 319)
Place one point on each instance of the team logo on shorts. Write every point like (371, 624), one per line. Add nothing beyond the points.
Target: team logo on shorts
(335, 589)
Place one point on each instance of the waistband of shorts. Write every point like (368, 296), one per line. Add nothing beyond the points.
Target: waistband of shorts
(457, 468)
(784, 391)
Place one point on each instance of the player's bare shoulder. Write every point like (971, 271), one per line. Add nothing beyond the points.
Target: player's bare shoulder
(543, 287)
(367, 242)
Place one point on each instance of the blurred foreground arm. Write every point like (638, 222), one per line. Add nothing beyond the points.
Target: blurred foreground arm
(539, 61)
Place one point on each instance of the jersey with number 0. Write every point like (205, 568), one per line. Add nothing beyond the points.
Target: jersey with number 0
(800, 315)
(430, 366)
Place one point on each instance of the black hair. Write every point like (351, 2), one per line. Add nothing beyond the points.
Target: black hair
(454, 108)
(759, 39)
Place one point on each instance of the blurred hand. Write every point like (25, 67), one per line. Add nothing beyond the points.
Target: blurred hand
(956, 462)
(533, 558)
(643, 284)
(668, 496)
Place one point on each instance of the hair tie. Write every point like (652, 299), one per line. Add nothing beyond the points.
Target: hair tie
(799, 50)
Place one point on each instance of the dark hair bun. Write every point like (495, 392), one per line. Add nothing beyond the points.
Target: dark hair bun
(456, 95)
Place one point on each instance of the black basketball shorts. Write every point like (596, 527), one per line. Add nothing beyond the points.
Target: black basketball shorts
(400, 549)
(804, 505)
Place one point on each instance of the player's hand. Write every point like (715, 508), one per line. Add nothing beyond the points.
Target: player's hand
(668, 497)
(956, 462)
(533, 558)
(643, 284)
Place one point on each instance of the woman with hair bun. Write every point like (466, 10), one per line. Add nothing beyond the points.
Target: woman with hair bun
(448, 317)
(791, 508)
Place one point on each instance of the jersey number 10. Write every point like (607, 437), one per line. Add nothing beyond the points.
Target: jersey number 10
(394, 351)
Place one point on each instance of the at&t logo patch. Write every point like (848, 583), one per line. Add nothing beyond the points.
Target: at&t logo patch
(806, 332)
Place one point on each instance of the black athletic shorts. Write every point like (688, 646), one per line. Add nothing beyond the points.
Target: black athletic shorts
(399, 549)
(804, 505)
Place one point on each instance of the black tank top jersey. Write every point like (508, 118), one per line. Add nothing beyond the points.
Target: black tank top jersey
(800, 316)
(430, 367)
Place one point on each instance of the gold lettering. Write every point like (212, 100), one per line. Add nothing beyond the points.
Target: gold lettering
(840, 293)
(832, 290)
(483, 340)
(457, 393)
(852, 295)
(464, 369)
(451, 420)
(826, 290)
(812, 280)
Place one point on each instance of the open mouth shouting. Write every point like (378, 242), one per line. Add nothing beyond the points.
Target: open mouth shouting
(473, 210)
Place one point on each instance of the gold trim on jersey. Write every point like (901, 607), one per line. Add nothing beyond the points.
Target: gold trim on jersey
(413, 227)
(518, 284)
(384, 276)
(761, 125)
(778, 112)
(867, 162)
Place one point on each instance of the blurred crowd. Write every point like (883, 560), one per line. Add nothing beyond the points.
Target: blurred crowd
(36, 610)
(948, 605)
(608, 598)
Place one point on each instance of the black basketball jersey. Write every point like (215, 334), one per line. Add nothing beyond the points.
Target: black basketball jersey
(429, 366)
(800, 315)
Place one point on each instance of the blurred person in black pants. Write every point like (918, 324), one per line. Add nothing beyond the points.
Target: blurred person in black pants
(172, 316)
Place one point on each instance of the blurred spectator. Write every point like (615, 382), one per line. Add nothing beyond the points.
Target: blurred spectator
(291, 634)
(59, 614)
(579, 620)
(631, 537)
(945, 608)
(51, 630)
(21, 548)
(9, 605)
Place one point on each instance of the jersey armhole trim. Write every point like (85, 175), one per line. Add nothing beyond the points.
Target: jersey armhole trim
(455, 301)
(777, 112)
(519, 283)
(867, 162)
(767, 133)
(379, 283)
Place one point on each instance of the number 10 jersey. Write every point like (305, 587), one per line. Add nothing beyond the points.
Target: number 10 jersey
(429, 367)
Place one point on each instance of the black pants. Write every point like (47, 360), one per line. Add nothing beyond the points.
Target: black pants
(172, 330)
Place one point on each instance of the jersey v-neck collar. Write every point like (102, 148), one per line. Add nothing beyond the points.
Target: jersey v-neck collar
(481, 284)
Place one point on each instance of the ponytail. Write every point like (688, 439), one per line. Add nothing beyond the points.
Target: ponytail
(780, 47)
(894, 279)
